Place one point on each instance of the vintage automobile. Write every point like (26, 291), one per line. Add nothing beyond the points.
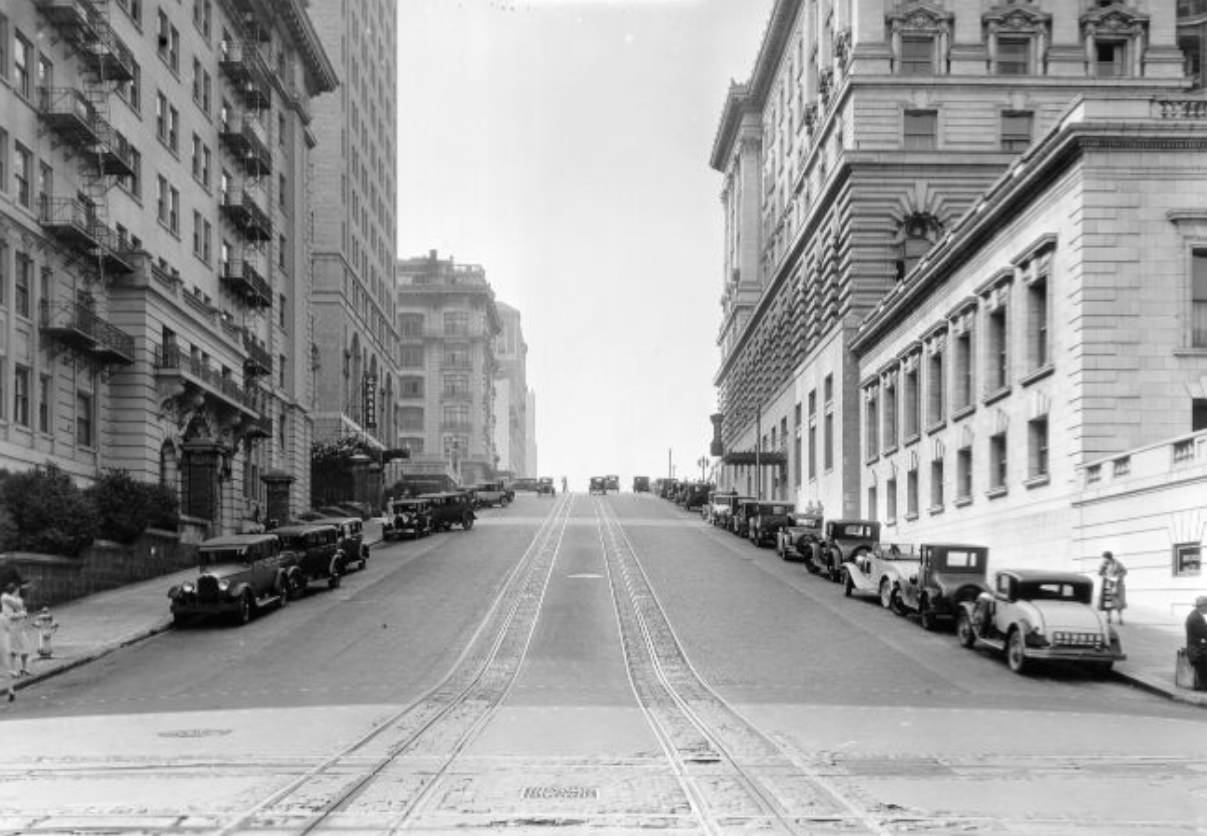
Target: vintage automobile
(800, 537)
(544, 486)
(878, 572)
(240, 574)
(449, 508)
(351, 539)
(716, 501)
(641, 484)
(947, 575)
(598, 485)
(312, 552)
(743, 511)
(493, 493)
(768, 518)
(408, 518)
(524, 483)
(612, 482)
(668, 488)
(695, 497)
(843, 540)
(1040, 616)
(724, 509)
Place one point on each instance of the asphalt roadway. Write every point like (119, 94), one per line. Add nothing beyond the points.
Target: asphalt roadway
(582, 664)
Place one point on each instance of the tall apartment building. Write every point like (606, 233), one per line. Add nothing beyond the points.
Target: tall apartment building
(353, 302)
(511, 394)
(154, 263)
(530, 459)
(448, 322)
(866, 129)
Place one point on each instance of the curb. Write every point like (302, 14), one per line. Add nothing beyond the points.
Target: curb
(92, 656)
(1154, 685)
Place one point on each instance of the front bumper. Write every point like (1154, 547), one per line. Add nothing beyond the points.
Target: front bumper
(191, 605)
(1075, 654)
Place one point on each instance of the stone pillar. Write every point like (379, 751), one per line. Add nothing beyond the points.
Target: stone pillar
(277, 483)
(200, 472)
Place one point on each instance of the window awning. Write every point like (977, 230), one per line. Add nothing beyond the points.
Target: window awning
(751, 458)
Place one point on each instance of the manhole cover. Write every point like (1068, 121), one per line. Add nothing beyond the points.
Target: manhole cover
(561, 793)
(195, 732)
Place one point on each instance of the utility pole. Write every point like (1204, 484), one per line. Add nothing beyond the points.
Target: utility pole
(670, 467)
(758, 453)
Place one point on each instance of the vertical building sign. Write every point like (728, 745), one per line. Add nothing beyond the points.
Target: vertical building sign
(370, 402)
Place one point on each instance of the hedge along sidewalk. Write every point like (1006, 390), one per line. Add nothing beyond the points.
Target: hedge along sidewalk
(94, 625)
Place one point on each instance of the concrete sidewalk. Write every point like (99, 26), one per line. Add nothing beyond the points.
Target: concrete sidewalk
(98, 624)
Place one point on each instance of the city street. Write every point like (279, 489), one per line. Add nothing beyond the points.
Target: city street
(582, 663)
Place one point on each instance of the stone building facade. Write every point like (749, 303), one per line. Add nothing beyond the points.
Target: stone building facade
(866, 130)
(154, 257)
(355, 349)
(448, 323)
(511, 394)
(1059, 326)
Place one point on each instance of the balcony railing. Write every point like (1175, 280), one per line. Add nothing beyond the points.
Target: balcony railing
(68, 113)
(246, 139)
(77, 326)
(71, 221)
(258, 360)
(243, 279)
(244, 66)
(173, 360)
(243, 208)
(101, 50)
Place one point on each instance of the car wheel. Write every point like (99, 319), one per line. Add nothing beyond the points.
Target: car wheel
(964, 631)
(247, 608)
(895, 603)
(334, 581)
(283, 592)
(1016, 651)
(886, 594)
(848, 585)
(926, 613)
(1101, 670)
(467, 522)
(811, 561)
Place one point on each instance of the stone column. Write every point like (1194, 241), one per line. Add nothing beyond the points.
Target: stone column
(276, 483)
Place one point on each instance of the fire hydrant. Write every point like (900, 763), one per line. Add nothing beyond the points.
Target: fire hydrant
(46, 626)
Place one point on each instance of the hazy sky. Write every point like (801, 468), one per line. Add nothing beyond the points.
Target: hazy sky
(564, 145)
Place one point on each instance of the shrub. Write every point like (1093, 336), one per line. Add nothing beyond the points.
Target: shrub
(127, 507)
(50, 513)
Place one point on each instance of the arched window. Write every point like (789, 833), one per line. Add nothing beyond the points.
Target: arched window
(917, 235)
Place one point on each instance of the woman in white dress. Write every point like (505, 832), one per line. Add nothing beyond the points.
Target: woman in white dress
(12, 610)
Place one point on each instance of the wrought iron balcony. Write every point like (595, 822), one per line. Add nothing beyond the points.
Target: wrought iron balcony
(115, 252)
(245, 67)
(258, 361)
(242, 278)
(245, 138)
(243, 208)
(71, 221)
(78, 327)
(114, 151)
(85, 28)
(172, 361)
(67, 112)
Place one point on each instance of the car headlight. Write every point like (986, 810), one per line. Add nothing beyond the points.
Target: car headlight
(186, 588)
(223, 585)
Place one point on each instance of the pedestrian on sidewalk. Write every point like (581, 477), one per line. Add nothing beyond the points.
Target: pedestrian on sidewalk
(1196, 641)
(1113, 597)
(14, 615)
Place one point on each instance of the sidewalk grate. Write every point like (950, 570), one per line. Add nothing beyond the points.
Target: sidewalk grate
(558, 793)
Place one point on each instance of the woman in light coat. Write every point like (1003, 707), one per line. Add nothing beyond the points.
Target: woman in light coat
(1113, 598)
(12, 611)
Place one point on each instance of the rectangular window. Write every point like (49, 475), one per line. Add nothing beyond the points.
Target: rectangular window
(282, 367)
(161, 116)
(21, 395)
(1187, 560)
(207, 233)
(921, 129)
(173, 128)
(1013, 56)
(890, 411)
(410, 357)
(23, 53)
(964, 475)
(1110, 59)
(1038, 354)
(936, 386)
(917, 55)
(913, 412)
(456, 323)
(813, 434)
(936, 485)
(872, 509)
(1198, 300)
(828, 430)
(205, 166)
(962, 371)
(412, 387)
(871, 422)
(3, 161)
(195, 157)
(281, 320)
(1017, 127)
(174, 210)
(196, 233)
(1037, 438)
(797, 450)
(997, 351)
(83, 420)
(890, 500)
(997, 463)
(44, 388)
(23, 281)
(3, 270)
(23, 168)
(911, 494)
(282, 251)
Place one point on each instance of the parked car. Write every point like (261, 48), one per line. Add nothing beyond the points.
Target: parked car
(544, 486)
(525, 484)
(613, 482)
(1040, 616)
(743, 511)
(238, 576)
(879, 572)
(947, 575)
(493, 493)
(695, 495)
(449, 508)
(725, 507)
(844, 540)
(351, 539)
(767, 520)
(800, 537)
(408, 518)
(312, 552)
(597, 485)
(641, 484)
(668, 488)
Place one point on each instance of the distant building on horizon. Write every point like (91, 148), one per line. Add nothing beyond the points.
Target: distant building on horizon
(530, 458)
(511, 395)
(447, 323)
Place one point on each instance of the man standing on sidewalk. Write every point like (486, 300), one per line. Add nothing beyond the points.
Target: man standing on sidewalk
(1196, 641)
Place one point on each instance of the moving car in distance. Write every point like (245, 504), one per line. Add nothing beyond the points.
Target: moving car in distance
(544, 486)
(1040, 616)
(641, 484)
(598, 485)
